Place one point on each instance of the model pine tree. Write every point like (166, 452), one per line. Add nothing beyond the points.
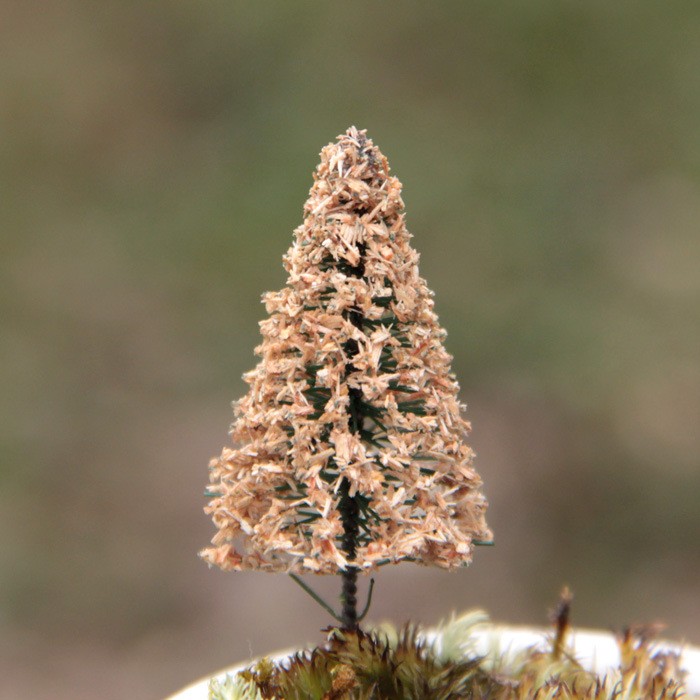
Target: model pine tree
(349, 449)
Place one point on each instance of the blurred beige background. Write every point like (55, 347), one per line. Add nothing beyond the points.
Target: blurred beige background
(155, 157)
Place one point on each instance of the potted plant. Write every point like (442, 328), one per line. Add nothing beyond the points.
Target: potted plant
(350, 453)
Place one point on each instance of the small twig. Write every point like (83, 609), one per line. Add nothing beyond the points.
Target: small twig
(369, 601)
(561, 617)
(316, 597)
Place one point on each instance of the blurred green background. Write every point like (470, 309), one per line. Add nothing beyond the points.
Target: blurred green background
(155, 158)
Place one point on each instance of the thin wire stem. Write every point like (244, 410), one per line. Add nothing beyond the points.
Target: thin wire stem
(369, 601)
(316, 597)
(349, 598)
(348, 506)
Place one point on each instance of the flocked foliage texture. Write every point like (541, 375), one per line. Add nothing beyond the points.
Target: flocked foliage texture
(349, 449)
(390, 665)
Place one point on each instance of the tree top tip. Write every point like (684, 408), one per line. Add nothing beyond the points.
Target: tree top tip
(353, 175)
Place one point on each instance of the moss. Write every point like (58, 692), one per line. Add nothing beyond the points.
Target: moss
(386, 664)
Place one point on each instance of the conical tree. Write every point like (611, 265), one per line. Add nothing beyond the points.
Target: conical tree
(350, 446)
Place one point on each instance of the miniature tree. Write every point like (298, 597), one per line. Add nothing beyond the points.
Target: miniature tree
(350, 447)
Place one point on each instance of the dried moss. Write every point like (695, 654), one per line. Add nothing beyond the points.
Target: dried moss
(406, 665)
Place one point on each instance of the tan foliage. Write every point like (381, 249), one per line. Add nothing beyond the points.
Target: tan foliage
(354, 384)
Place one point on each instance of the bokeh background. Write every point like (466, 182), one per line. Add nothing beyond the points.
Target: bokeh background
(155, 157)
